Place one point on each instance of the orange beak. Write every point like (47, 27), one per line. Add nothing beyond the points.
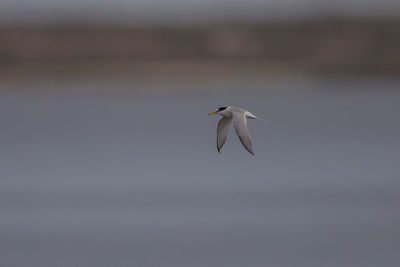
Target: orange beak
(212, 113)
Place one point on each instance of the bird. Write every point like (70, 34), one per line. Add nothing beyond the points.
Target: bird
(238, 117)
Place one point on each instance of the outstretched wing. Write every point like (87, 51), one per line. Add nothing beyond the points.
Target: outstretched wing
(240, 124)
(222, 131)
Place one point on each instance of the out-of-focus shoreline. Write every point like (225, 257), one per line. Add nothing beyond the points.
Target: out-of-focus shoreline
(305, 49)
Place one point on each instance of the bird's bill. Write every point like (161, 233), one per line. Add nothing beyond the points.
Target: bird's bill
(212, 113)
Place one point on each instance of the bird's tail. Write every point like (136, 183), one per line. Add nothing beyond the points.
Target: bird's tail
(257, 118)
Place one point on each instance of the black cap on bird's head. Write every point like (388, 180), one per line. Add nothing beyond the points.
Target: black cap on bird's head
(218, 110)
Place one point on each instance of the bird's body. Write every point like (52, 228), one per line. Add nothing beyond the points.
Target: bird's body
(238, 117)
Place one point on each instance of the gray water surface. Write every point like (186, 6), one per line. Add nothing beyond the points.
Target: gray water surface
(184, 11)
(136, 180)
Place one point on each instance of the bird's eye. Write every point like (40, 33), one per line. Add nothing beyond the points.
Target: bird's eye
(221, 108)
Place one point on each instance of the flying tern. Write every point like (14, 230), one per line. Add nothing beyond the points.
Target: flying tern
(238, 117)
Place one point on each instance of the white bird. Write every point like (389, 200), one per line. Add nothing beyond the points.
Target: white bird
(238, 117)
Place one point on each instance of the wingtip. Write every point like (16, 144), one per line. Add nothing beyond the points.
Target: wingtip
(251, 152)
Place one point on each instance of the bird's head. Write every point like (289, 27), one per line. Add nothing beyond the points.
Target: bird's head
(220, 111)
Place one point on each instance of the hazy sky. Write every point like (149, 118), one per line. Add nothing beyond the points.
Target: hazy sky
(184, 10)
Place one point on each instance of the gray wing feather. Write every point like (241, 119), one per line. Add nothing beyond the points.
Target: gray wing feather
(240, 124)
(222, 131)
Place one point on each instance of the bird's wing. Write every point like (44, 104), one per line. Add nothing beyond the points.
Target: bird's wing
(240, 124)
(222, 131)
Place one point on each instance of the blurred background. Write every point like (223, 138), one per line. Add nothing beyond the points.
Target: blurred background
(108, 157)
